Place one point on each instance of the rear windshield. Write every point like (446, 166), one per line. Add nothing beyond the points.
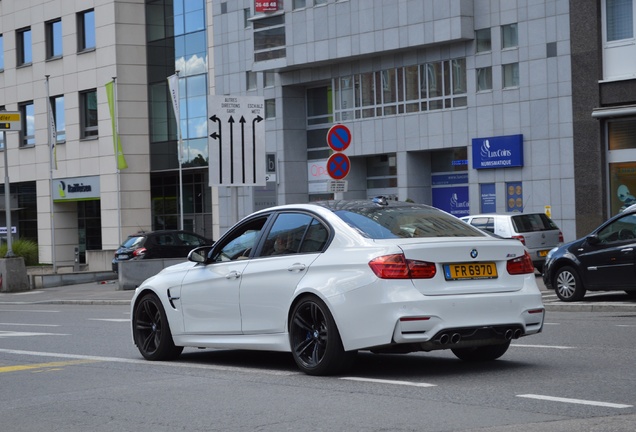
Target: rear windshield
(133, 241)
(533, 222)
(406, 222)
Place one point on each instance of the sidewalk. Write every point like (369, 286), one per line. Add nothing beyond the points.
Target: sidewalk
(108, 293)
(92, 293)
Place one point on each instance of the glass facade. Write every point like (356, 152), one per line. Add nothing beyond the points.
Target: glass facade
(177, 44)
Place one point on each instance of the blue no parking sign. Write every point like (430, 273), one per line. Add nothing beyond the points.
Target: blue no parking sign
(339, 137)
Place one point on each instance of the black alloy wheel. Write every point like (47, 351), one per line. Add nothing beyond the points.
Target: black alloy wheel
(151, 331)
(315, 340)
(482, 353)
(567, 284)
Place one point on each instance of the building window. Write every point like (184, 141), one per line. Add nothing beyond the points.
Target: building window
(57, 105)
(431, 86)
(299, 4)
(619, 19)
(511, 75)
(484, 79)
(86, 30)
(509, 36)
(320, 2)
(382, 171)
(24, 49)
(1, 53)
(88, 113)
(27, 117)
(269, 79)
(483, 41)
(54, 39)
(250, 78)
(270, 108)
(269, 38)
(247, 14)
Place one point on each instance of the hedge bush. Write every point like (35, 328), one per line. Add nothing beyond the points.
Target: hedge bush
(26, 249)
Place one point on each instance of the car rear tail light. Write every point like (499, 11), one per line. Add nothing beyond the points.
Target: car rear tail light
(561, 237)
(138, 253)
(520, 265)
(398, 267)
(520, 238)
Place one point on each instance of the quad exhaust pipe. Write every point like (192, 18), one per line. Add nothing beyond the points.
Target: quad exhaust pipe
(454, 338)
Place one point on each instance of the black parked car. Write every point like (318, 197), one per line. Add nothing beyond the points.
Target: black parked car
(158, 244)
(605, 260)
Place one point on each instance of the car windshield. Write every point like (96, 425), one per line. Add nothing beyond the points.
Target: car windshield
(405, 222)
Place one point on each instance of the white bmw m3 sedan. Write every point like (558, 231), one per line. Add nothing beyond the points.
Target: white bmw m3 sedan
(328, 279)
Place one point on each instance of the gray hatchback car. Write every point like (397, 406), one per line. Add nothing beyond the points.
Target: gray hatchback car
(536, 231)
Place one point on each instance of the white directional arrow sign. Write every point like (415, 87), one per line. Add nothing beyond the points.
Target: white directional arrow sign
(237, 140)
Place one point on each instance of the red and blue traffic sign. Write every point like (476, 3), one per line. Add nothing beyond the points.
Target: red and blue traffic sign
(338, 137)
(338, 166)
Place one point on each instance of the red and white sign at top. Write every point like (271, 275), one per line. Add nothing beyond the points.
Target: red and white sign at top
(265, 5)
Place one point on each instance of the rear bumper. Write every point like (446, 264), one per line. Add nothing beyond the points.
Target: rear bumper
(401, 315)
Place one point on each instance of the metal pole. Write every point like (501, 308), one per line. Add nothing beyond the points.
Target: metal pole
(7, 198)
(117, 162)
(48, 106)
(180, 158)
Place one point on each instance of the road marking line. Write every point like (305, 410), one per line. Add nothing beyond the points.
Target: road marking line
(575, 401)
(382, 381)
(29, 310)
(55, 365)
(14, 333)
(110, 319)
(542, 346)
(30, 325)
(147, 363)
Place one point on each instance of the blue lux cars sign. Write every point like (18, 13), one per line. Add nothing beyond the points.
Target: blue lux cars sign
(498, 152)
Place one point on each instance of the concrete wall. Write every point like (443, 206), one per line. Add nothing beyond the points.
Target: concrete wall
(133, 273)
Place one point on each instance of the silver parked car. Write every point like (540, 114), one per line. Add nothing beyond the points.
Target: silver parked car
(536, 231)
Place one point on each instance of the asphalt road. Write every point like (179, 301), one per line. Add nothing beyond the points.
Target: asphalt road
(73, 367)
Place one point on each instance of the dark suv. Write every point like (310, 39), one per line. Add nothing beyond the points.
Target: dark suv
(158, 244)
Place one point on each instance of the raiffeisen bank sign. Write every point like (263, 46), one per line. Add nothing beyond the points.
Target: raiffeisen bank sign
(76, 189)
(498, 152)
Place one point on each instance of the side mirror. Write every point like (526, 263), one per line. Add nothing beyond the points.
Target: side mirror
(593, 239)
(200, 254)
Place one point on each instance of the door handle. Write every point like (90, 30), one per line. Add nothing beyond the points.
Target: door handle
(627, 250)
(298, 267)
(233, 275)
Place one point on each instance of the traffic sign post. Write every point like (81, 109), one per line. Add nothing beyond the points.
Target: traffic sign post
(237, 144)
(338, 137)
(338, 166)
(10, 121)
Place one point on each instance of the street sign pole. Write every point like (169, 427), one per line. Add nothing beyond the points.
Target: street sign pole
(7, 198)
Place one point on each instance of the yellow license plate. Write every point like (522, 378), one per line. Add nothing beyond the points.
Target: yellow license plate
(543, 253)
(482, 270)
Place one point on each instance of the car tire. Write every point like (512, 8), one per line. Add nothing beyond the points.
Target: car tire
(567, 284)
(482, 353)
(151, 330)
(315, 341)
